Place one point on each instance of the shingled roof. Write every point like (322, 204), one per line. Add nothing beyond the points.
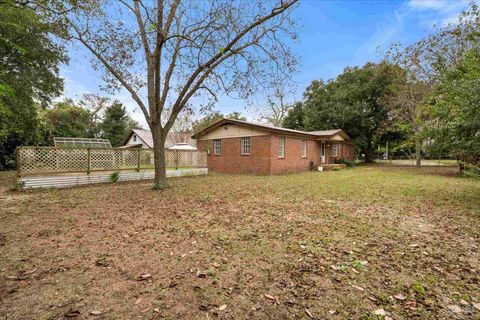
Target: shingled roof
(278, 130)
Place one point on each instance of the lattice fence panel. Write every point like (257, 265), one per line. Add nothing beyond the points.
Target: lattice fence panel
(44, 160)
(47, 160)
(185, 158)
(146, 159)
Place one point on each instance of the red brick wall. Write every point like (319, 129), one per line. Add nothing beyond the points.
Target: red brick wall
(346, 150)
(293, 161)
(263, 158)
(231, 161)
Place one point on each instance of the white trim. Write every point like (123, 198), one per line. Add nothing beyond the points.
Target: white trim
(303, 148)
(281, 147)
(244, 145)
(336, 145)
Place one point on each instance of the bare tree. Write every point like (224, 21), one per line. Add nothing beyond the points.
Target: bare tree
(181, 130)
(406, 102)
(95, 105)
(166, 52)
(277, 106)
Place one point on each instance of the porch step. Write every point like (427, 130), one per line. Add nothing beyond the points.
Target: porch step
(333, 166)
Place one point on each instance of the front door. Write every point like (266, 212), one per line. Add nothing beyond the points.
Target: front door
(322, 152)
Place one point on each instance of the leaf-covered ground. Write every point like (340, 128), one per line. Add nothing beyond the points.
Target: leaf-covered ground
(333, 245)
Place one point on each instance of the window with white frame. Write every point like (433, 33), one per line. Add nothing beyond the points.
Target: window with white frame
(304, 148)
(281, 147)
(217, 147)
(334, 149)
(245, 146)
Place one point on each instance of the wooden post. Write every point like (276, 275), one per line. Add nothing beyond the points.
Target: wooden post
(138, 159)
(88, 161)
(176, 158)
(17, 160)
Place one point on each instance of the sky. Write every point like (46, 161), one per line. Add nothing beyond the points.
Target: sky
(333, 35)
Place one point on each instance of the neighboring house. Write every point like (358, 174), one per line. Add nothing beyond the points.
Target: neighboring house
(235, 146)
(140, 138)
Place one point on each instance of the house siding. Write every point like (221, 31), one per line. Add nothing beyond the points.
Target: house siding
(231, 161)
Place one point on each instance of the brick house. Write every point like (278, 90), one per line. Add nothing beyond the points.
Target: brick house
(235, 146)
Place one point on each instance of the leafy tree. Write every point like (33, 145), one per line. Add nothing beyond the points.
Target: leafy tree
(28, 78)
(295, 117)
(353, 102)
(68, 120)
(423, 65)
(175, 50)
(210, 119)
(116, 124)
(455, 122)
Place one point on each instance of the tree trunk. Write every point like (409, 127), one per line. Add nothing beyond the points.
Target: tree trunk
(160, 181)
(418, 151)
(369, 153)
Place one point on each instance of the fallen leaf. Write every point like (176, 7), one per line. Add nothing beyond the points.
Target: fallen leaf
(138, 301)
(454, 308)
(95, 312)
(309, 314)
(379, 312)
(463, 302)
(269, 297)
(222, 307)
(476, 306)
(72, 314)
(144, 276)
(332, 311)
(289, 303)
(357, 287)
(30, 271)
(399, 296)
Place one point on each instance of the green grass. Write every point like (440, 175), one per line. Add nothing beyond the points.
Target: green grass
(346, 241)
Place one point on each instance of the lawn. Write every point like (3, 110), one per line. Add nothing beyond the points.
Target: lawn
(331, 245)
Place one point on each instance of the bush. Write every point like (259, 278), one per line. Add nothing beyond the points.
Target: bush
(471, 171)
(350, 164)
(114, 177)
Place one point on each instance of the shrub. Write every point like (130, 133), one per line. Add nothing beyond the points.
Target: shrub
(350, 164)
(114, 177)
(472, 171)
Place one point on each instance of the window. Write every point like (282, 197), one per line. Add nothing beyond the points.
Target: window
(347, 151)
(304, 148)
(334, 149)
(245, 146)
(134, 138)
(281, 147)
(217, 147)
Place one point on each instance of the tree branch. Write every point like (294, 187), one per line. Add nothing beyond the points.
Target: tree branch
(114, 72)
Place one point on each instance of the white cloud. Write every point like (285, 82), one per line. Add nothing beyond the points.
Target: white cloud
(427, 4)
